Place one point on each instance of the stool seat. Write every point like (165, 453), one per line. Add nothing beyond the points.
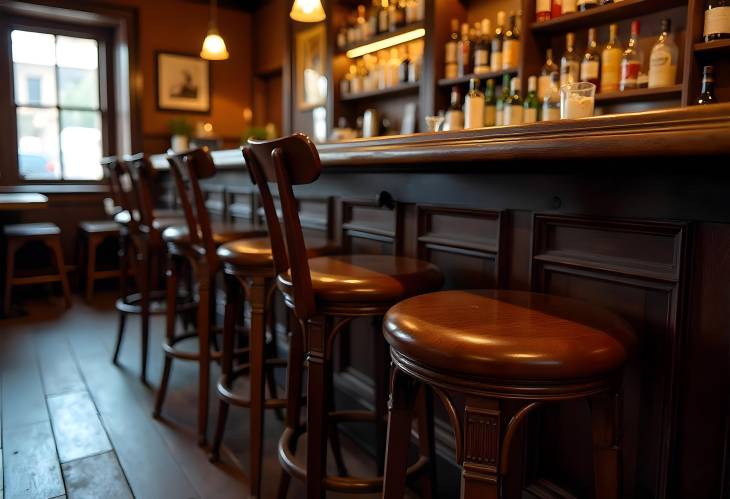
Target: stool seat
(40, 229)
(509, 335)
(367, 278)
(162, 218)
(256, 251)
(222, 233)
(100, 227)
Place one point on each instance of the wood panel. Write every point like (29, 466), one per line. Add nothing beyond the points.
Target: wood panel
(96, 476)
(638, 269)
(31, 466)
(76, 425)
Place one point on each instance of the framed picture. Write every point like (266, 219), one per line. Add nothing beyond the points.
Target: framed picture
(183, 83)
(310, 69)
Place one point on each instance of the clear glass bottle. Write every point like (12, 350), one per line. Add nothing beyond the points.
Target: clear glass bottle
(511, 45)
(383, 20)
(474, 106)
(717, 20)
(495, 61)
(481, 50)
(569, 64)
(451, 69)
(590, 65)
(664, 56)
(513, 111)
(551, 102)
(543, 10)
(499, 120)
(454, 118)
(631, 60)
(405, 66)
(708, 86)
(463, 52)
(543, 82)
(532, 103)
(611, 62)
(490, 104)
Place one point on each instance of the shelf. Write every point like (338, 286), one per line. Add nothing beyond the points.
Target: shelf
(402, 89)
(640, 95)
(604, 14)
(715, 46)
(449, 82)
(383, 36)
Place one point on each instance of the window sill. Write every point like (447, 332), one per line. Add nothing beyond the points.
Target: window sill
(65, 188)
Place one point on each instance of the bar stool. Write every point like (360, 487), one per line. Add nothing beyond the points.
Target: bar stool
(48, 234)
(326, 294)
(194, 244)
(91, 235)
(492, 346)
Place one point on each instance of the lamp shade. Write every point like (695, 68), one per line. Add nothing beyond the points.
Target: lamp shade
(307, 11)
(214, 48)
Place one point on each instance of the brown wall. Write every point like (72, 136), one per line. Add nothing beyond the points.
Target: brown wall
(269, 40)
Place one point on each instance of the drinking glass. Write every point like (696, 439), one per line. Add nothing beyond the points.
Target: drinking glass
(577, 100)
(433, 123)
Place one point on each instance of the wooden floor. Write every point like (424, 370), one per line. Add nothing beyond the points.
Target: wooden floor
(74, 425)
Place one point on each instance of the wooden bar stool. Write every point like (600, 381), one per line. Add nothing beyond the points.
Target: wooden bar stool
(91, 235)
(493, 346)
(195, 244)
(46, 233)
(326, 294)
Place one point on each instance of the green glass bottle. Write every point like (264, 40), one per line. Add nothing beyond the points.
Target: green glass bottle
(499, 119)
(490, 104)
(532, 103)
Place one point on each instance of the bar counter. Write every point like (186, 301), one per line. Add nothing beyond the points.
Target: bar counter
(631, 212)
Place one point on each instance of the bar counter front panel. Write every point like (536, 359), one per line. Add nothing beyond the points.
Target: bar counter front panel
(629, 212)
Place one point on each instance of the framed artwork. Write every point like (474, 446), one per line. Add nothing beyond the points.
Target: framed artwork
(183, 83)
(310, 67)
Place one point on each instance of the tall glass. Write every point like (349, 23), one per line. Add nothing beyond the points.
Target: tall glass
(577, 100)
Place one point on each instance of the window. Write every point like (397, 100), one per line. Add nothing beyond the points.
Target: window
(58, 106)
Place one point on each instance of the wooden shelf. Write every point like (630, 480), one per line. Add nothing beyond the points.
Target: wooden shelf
(449, 82)
(640, 95)
(715, 46)
(402, 89)
(604, 14)
(382, 36)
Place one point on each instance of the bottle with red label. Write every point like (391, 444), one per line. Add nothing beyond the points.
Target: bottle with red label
(631, 60)
(543, 10)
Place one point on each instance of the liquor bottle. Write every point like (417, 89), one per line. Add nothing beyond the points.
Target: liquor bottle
(569, 65)
(463, 52)
(393, 70)
(393, 14)
(454, 118)
(415, 52)
(543, 82)
(663, 61)
(451, 67)
(474, 106)
(401, 8)
(499, 119)
(532, 103)
(543, 10)
(373, 17)
(362, 24)
(497, 43)
(708, 86)
(556, 9)
(584, 5)
(590, 65)
(551, 102)
(490, 104)
(631, 60)
(405, 66)
(717, 20)
(383, 21)
(513, 111)
(569, 6)
(481, 49)
(611, 62)
(511, 46)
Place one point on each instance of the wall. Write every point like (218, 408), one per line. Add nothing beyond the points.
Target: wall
(268, 57)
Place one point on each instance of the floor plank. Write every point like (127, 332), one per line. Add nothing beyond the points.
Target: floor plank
(76, 426)
(22, 394)
(58, 369)
(31, 465)
(94, 477)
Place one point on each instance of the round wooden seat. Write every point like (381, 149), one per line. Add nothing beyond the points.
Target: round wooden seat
(32, 230)
(508, 335)
(256, 251)
(221, 232)
(162, 218)
(367, 278)
(107, 227)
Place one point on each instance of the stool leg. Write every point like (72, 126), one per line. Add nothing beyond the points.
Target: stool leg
(145, 298)
(123, 289)
(257, 338)
(399, 429)
(426, 441)
(9, 272)
(92, 244)
(334, 433)
(120, 334)
(55, 245)
(481, 444)
(607, 449)
(170, 317)
(203, 325)
(380, 381)
(317, 406)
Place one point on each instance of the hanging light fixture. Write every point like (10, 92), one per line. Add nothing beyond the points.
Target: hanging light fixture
(214, 48)
(307, 11)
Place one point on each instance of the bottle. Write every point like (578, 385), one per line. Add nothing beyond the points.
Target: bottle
(451, 67)
(717, 20)
(557, 9)
(497, 42)
(401, 8)
(543, 82)
(584, 5)
(543, 10)
(532, 103)
(708, 86)
(490, 104)
(362, 24)
(511, 45)
(463, 52)
(393, 70)
(663, 61)
(481, 49)
(383, 20)
(454, 118)
(551, 102)
(499, 119)
(590, 65)
(569, 66)
(513, 111)
(415, 52)
(373, 17)
(631, 60)
(404, 67)
(393, 13)
(611, 62)
(569, 6)
(474, 106)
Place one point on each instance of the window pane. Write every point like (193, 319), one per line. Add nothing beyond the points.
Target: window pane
(81, 144)
(78, 72)
(34, 59)
(38, 143)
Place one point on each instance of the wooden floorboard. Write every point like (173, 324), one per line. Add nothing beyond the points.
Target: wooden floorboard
(96, 477)
(31, 466)
(23, 398)
(76, 426)
(58, 369)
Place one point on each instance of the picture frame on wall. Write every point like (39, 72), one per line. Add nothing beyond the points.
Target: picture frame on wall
(311, 87)
(183, 83)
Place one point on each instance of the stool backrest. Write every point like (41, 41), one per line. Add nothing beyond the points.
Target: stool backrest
(142, 174)
(287, 161)
(110, 166)
(187, 170)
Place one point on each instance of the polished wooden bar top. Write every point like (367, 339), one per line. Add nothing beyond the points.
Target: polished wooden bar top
(680, 132)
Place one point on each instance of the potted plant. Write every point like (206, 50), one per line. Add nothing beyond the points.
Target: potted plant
(180, 130)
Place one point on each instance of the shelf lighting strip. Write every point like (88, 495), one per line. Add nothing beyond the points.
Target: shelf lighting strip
(386, 43)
